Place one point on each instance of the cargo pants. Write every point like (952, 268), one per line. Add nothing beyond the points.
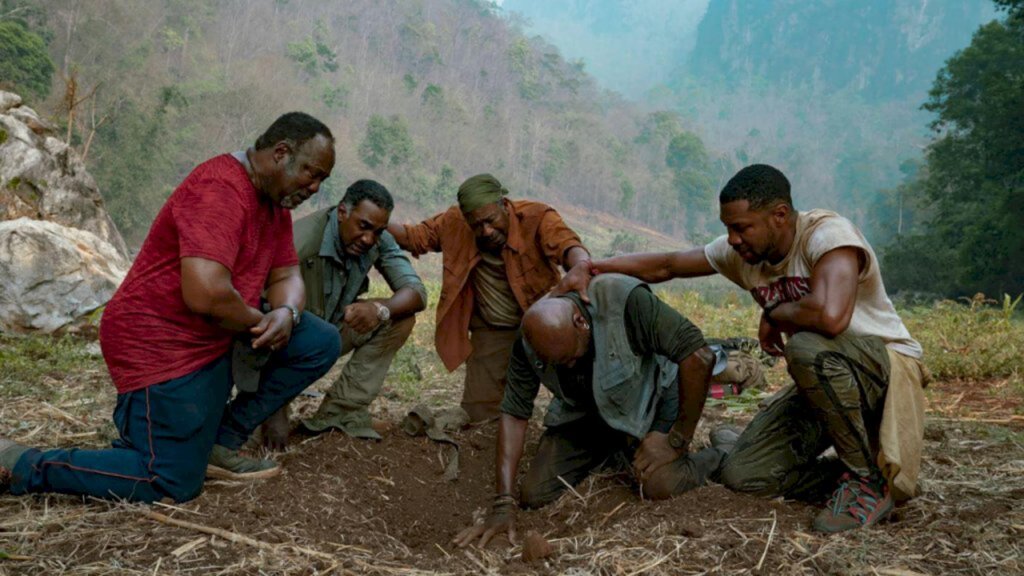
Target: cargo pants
(836, 400)
(346, 404)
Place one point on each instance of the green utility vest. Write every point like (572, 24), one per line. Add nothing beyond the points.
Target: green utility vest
(626, 387)
(316, 271)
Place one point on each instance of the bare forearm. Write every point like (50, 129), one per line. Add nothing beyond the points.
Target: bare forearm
(405, 302)
(227, 309)
(287, 291)
(207, 290)
(694, 379)
(656, 267)
(575, 255)
(511, 439)
(400, 233)
(809, 314)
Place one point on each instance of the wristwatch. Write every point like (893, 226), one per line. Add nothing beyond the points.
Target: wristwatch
(383, 312)
(296, 316)
(676, 439)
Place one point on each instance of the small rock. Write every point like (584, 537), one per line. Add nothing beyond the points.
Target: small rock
(535, 547)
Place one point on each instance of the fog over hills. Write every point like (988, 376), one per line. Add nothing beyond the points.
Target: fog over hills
(828, 90)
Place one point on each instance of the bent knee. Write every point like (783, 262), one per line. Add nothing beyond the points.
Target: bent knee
(739, 478)
(403, 328)
(183, 491)
(537, 495)
(802, 348)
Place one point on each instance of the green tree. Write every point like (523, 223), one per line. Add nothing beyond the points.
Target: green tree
(975, 167)
(387, 142)
(24, 62)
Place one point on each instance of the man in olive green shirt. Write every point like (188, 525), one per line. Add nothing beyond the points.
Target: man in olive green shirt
(628, 376)
(337, 247)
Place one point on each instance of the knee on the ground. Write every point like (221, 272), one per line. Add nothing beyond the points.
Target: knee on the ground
(536, 495)
(182, 490)
(740, 478)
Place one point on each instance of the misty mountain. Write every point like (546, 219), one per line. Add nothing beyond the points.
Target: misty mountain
(628, 45)
(879, 49)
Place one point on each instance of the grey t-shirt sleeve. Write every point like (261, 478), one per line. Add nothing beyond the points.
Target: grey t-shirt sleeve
(653, 326)
(522, 385)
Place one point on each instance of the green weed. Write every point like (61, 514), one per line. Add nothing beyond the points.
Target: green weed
(28, 360)
(978, 340)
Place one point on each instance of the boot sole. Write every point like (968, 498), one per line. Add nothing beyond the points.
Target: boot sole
(218, 473)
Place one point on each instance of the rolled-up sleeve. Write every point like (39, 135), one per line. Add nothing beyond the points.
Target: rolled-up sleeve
(396, 268)
(425, 236)
(556, 237)
(522, 385)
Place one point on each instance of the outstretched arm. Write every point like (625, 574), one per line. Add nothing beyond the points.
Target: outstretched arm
(650, 267)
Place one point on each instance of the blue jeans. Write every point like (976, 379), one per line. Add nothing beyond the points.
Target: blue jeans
(167, 430)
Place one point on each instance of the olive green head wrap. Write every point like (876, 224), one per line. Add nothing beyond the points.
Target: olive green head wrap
(479, 191)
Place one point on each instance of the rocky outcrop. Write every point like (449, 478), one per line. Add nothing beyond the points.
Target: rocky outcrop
(42, 178)
(61, 257)
(52, 276)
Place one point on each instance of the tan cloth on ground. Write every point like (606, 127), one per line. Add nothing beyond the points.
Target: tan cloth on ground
(495, 301)
(901, 436)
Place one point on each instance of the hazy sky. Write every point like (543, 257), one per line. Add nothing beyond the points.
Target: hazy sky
(606, 35)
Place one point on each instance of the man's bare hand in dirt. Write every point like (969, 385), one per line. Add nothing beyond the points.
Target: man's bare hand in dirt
(274, 330)
(576, 280)
(654, 452)
(362, 317)
(770, 337)
(501, 519)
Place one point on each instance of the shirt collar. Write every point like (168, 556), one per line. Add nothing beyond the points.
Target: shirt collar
(513, 240)
(331, 246)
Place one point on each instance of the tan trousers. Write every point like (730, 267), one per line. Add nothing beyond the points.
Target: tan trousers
(484, 386)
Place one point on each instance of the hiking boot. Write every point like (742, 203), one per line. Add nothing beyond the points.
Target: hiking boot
(10, 453)
(724, 437)
(856, 502)
(227, 464)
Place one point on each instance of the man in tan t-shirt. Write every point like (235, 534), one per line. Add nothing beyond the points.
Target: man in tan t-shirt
(857, 371)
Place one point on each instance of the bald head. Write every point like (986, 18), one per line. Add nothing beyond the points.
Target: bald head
(556, 330)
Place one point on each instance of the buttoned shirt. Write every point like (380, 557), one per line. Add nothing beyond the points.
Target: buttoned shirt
(335, 279)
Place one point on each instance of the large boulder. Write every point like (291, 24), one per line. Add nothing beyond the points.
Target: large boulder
(60, 255)
(42, 178)
(52, 276)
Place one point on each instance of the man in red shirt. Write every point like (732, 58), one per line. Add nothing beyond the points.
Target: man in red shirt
(222, 240)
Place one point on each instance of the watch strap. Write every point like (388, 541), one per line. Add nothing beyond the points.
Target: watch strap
(296, 316)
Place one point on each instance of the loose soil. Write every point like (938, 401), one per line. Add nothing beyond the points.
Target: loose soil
(346, 506)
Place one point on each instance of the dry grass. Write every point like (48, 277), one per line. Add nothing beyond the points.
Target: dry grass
(970, 519)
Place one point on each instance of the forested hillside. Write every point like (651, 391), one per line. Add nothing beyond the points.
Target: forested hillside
(829, 91)
(420, 93)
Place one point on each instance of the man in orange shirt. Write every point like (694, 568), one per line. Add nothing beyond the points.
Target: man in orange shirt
(500, 256)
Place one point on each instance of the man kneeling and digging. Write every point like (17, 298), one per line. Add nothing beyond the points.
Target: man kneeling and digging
(628, 374)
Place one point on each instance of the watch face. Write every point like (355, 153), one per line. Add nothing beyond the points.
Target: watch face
(676, 440)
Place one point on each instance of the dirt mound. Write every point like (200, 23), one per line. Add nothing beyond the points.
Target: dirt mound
(391, 496)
